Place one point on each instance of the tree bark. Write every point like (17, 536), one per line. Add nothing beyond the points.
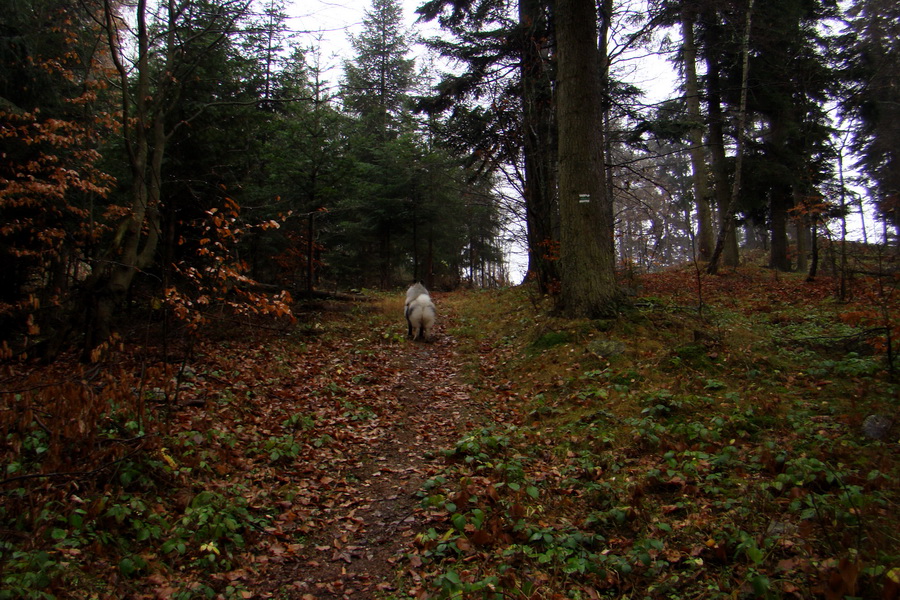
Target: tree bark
(586, 217)
(781, 198)
(605, 22)
(814, 251)
(803, 241)
(134, 245)
(779, 204)
(700, 180)
(310, 233)
(718, 160)
(539, 147)
(729, 213)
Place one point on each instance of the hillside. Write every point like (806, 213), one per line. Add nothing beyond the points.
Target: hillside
(679, 452)
(713, 441)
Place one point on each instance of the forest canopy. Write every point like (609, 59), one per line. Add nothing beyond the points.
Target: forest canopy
(183, 155)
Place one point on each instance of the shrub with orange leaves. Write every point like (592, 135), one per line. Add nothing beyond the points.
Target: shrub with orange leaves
(50, 179)
(216, 276)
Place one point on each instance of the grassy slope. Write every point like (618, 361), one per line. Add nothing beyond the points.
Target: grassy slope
(673, 453)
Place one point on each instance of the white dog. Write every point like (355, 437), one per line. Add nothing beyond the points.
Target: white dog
(414, 291)
(420, 312)
(420, 316)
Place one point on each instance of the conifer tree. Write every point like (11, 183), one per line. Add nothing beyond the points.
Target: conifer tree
(506, 48)
(587, 252)
(378, 80)
(700, 179)
(790, 79)
(871, 72)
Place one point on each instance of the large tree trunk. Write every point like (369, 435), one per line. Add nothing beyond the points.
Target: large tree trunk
(779, 203)
(718, 161)
(781, 200)
(700, 178)
(539, 148)
(731, 210)
(134, 245)
(586, 217)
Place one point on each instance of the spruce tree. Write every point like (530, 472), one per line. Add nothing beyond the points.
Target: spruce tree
(378, 80)
(505, 48)
(871, 99)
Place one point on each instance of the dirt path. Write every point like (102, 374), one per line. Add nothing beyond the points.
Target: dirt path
(370, 531)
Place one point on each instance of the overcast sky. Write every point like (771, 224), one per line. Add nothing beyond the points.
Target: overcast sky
(334, 21)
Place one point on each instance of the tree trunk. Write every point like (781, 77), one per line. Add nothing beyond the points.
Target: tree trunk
(384, 251)
(539, 148)
(803, 238)
(134, 245)
(729, 213)
(310, 232)
(586, 217)
(842, 295)
(781, 198)
(429, 260)
(718, 161)
(415, 243)
(814, 258)
(778, 215)
(700, 178)
(605, 21)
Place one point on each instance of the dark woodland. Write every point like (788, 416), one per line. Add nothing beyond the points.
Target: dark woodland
(649, 351)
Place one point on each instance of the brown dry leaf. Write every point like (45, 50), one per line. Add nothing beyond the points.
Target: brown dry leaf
(787, 564)
(481, 538)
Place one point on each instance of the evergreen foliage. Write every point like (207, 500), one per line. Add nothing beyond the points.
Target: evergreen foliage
(386, 175)
(871, 100)
(181, 180)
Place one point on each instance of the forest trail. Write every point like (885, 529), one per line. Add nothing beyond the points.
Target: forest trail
(425, 408)
(330, 458)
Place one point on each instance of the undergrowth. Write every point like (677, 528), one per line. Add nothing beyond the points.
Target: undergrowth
(672, 453)
(678, 451)
(141, 477)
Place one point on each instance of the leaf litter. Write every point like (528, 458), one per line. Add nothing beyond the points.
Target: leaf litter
(293, 465)
(395, 411)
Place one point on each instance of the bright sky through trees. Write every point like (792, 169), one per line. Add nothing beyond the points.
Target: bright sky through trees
(328, 24)
(334, 21)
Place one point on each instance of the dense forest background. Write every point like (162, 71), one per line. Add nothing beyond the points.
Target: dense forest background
(179, 155)
(206, 388)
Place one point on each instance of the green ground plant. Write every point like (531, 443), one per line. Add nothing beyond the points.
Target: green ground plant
(725, 459)
(668, 453)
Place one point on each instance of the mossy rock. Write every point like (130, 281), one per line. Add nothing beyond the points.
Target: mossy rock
(549, 340)
(693, 354)
(607, 348)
